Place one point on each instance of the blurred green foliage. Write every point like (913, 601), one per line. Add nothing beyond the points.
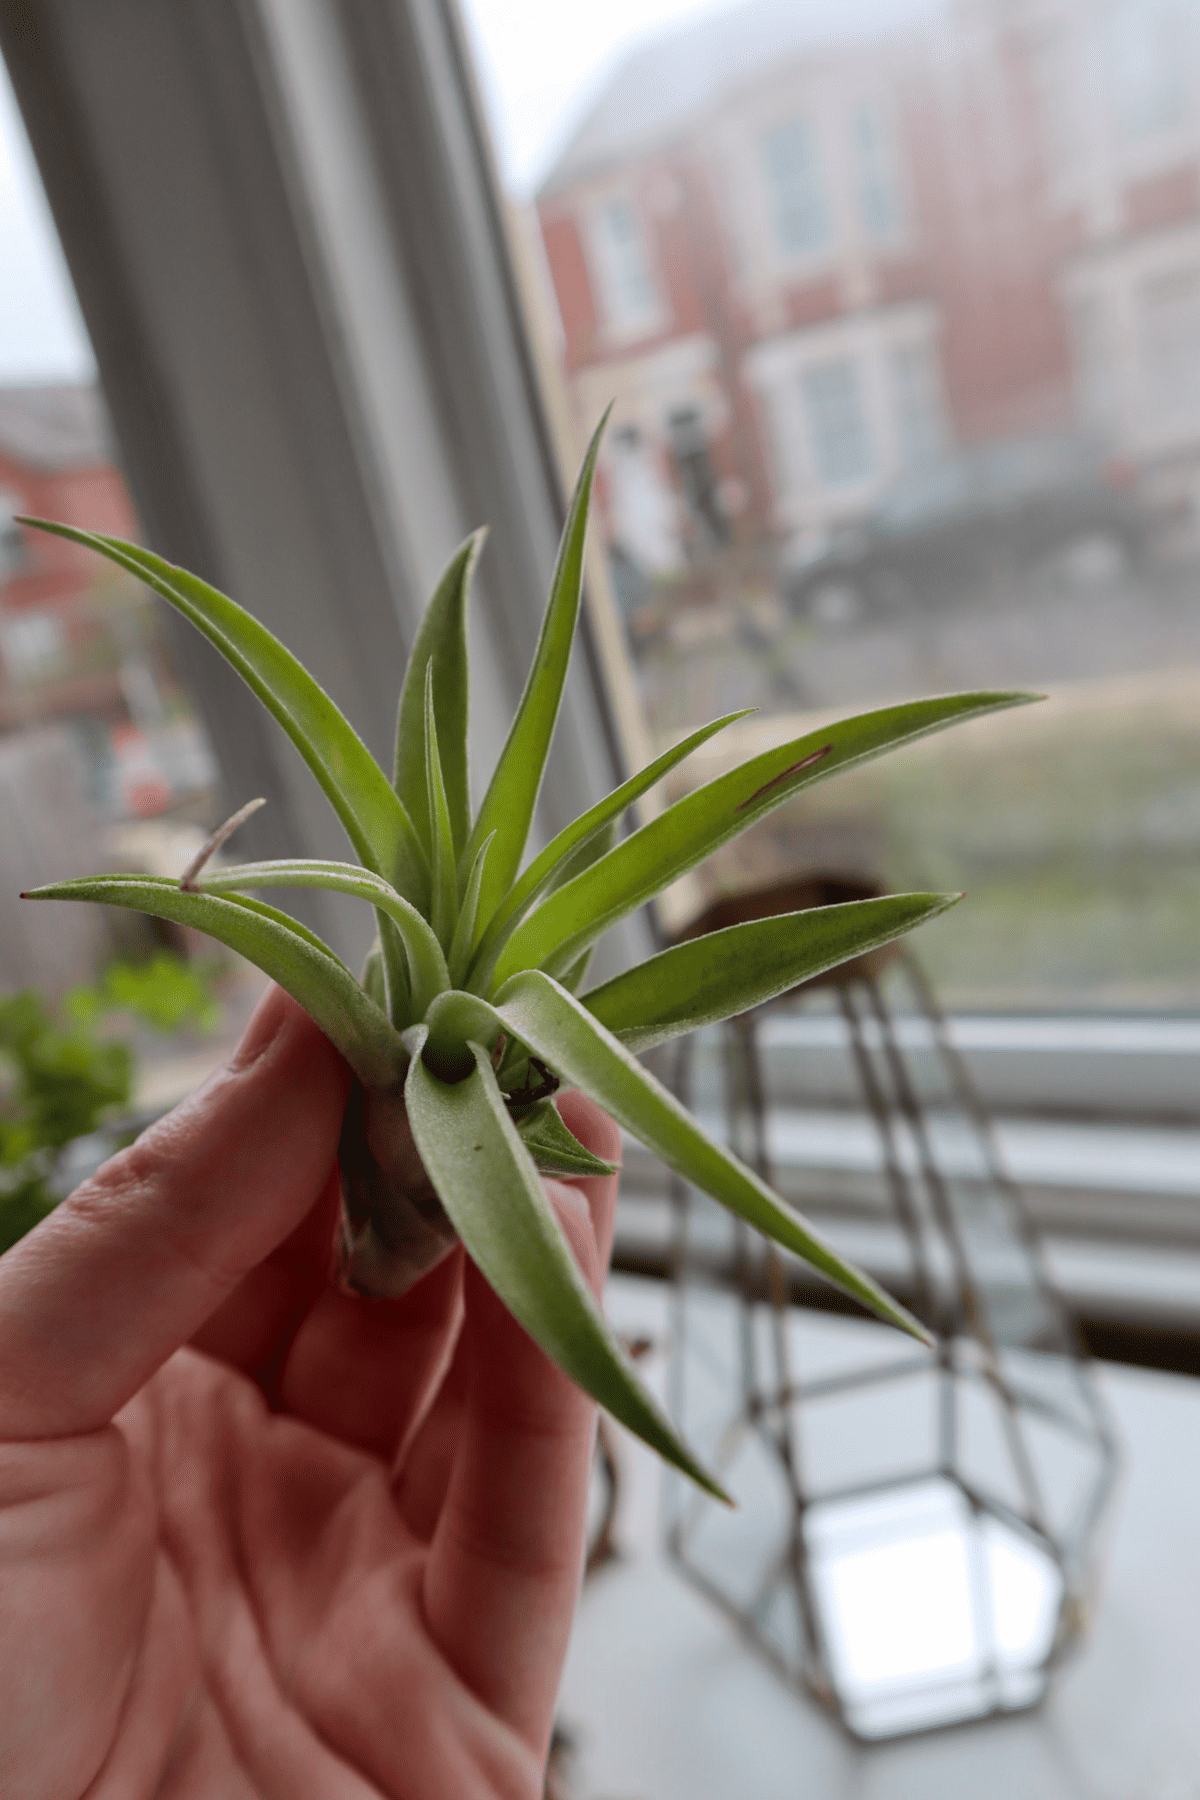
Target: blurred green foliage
(65, 1075)
(166, 992)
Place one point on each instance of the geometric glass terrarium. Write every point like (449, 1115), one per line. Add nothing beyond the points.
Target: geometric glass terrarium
(915, 1534)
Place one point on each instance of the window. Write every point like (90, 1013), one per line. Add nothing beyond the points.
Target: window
(628, 291)
(874, 174)
(837, 428)
(916, 403)
(1169, 311)
(795, 180)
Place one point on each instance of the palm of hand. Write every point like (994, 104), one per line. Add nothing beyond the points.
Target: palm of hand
(335, 1553)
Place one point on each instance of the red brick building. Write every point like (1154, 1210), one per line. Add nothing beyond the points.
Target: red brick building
(799, 267)
(78, 642)
(56, 462)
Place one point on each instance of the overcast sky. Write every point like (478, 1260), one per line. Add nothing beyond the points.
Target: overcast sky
(540, 63)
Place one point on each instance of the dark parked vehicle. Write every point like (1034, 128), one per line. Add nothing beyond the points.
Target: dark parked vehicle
(997, 510)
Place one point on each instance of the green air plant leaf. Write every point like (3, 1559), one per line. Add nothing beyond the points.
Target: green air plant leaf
(554, 1148)
(441, 645)
(714, 977)
(443, 908)
(488, 1184)
(464, 931)
(466, 1021)
(574, 916)
(374, 818)
(555, 1026)
(512, 793)
(427, 973)
(546, 868)
(291, 956)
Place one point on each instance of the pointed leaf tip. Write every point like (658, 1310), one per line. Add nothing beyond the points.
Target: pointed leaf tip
(372, 815)
(508, 806)
(444, 903)
(441, 642)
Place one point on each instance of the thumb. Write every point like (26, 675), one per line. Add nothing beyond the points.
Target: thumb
(134, 1262)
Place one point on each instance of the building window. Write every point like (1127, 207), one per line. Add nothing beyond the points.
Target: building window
(837, 425)
(629, 293)
(1169, 310)
(917, 404)
(874, 174)
(795, 180)
(1147, 56)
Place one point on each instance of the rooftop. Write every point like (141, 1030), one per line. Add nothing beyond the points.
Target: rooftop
(662, 86)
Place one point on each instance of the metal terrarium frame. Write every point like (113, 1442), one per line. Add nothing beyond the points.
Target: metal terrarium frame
(915, 1540)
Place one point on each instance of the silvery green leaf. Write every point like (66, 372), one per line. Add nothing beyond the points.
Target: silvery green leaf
(545, 867)
(441, 643)
(464, 930)
(508, 805)
(724, 973)
(555, 1026)
(375, 821)
(427, 973)
(287, 952)
(641, 866)
(443, 907)
(553, 1146)
(487, 1182)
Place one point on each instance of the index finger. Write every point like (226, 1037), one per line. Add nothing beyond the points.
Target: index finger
(132, 1264)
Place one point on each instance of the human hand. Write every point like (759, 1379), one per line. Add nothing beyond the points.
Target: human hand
(259, 1537)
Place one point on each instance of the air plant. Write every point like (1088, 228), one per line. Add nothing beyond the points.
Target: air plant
(472, 1010)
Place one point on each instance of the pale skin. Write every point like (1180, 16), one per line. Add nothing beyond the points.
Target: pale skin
(259, 1537)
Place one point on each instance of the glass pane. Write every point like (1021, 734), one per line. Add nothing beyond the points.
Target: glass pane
(899, 305)
(104, 763)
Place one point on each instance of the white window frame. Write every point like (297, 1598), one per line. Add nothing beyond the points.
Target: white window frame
(619, 323)
(888, 166)
(819, 252)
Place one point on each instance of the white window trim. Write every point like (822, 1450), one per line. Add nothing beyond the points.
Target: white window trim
(803, 263)
(616, 332)
(776, 368)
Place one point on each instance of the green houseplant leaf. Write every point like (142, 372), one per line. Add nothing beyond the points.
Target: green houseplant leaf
(464, 930)
(293, 957)
(545, 867)
(513, 1237)
(427, 972)
(512, 792)
(375, 821)
(710, 978)
(441, 645)
(574, 916)
(554, 1148)
(556, 1027)
(443, 906)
